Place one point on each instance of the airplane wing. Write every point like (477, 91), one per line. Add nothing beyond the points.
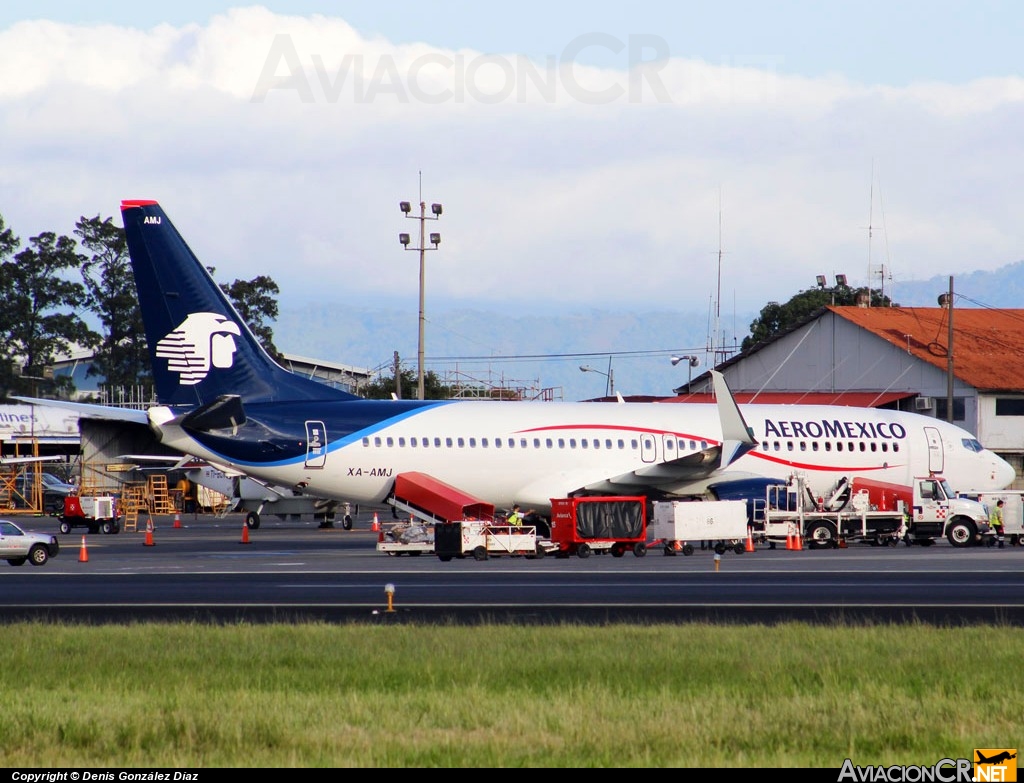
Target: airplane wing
(737, 440)
(23, 460)
(91, 411)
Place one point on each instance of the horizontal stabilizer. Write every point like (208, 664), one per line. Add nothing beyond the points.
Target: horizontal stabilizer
(223, 413)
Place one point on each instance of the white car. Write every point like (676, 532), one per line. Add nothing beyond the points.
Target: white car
(17, 545)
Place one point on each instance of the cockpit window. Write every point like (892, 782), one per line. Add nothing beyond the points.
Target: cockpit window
(971, 444)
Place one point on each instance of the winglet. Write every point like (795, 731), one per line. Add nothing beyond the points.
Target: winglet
(737, 437)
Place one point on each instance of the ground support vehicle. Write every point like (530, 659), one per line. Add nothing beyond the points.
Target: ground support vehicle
(722, 524)
(584, 525)
(18, 546)
(934, 510)
(483, 539)
(95, 513)
(405, 538)
(1013, 510)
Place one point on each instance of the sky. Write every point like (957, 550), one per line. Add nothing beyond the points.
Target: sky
(646, 155)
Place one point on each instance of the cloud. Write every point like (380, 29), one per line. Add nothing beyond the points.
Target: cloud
(281, 145)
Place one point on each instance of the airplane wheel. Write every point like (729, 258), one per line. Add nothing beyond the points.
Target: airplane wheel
(346, 522)
(252, 520)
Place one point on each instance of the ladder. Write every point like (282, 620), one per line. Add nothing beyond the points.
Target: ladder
(132, 502)
(160, 496)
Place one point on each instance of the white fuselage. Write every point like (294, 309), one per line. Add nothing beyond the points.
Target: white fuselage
(531, 452)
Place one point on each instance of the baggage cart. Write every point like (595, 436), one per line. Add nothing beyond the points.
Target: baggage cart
(482, 539)
(585, 525)
(717, 524)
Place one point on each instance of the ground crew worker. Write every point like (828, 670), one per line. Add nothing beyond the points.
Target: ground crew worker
(996, 521)
(515, 517)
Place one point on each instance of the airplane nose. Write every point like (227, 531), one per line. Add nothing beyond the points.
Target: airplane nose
(1004, 473)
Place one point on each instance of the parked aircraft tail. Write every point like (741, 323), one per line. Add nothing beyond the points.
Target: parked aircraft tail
(200, 348)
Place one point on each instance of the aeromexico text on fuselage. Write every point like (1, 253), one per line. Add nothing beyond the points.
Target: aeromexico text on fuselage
(836, 428)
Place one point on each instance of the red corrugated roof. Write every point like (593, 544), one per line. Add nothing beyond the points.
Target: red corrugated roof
(986, 342)
(853, 399)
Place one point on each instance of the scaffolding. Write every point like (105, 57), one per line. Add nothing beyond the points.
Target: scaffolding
(497, 387)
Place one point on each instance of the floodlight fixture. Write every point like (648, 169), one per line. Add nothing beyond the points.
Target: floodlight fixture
(841, 280)
(435, 239)
(821, 281)
(404, 239)
(435, 208)
(405, 206)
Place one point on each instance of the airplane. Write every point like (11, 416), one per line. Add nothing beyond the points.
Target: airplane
(1003, 756)
(223, 399)
(245, 493)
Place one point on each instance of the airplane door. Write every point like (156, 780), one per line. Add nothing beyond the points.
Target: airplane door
(316, 444)
(648, 447)
(936, 456)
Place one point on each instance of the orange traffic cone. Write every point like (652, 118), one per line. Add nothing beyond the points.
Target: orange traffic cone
(789, 537)
(177, 519)
(376, 523)
(798, 541)
(750, 542)
(149, 532)
(83, 553)
(245, 533)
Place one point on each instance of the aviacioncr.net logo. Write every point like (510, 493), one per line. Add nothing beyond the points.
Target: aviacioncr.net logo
(200, 342)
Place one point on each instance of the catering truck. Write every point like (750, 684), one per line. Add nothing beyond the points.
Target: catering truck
(873, 511)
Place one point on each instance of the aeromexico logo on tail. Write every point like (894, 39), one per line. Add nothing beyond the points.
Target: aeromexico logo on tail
(199, 343)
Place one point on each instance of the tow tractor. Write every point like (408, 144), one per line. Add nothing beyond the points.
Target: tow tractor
(96, 513)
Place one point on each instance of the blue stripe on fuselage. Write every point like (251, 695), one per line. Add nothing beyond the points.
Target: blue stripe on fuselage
(274, 434)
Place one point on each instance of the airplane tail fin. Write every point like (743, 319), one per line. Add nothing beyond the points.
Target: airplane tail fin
(199, 346)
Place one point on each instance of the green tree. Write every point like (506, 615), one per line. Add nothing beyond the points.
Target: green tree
(8, 245)
(255, 300)
(41, 303)
(122, 358)
(381, 387)
(776, 318)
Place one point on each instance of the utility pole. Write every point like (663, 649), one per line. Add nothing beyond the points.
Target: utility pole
(435, 239)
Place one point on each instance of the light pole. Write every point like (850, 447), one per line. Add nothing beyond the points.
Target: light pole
(435, 239)
(691, 362)
(609, 387)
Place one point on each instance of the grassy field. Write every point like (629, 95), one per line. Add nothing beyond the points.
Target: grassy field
(362, 695)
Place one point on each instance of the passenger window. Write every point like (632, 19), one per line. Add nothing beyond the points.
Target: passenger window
(366, 441)
(561, 443)
(462, 443)
(391, 442)
(448, 442)
(522, 443)
(572, 443)
(376, 442)
(401, 441)
(584, 442)
(608, 443)
(548, 442)
(472, 443)
(497, 443)
(483, 443)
